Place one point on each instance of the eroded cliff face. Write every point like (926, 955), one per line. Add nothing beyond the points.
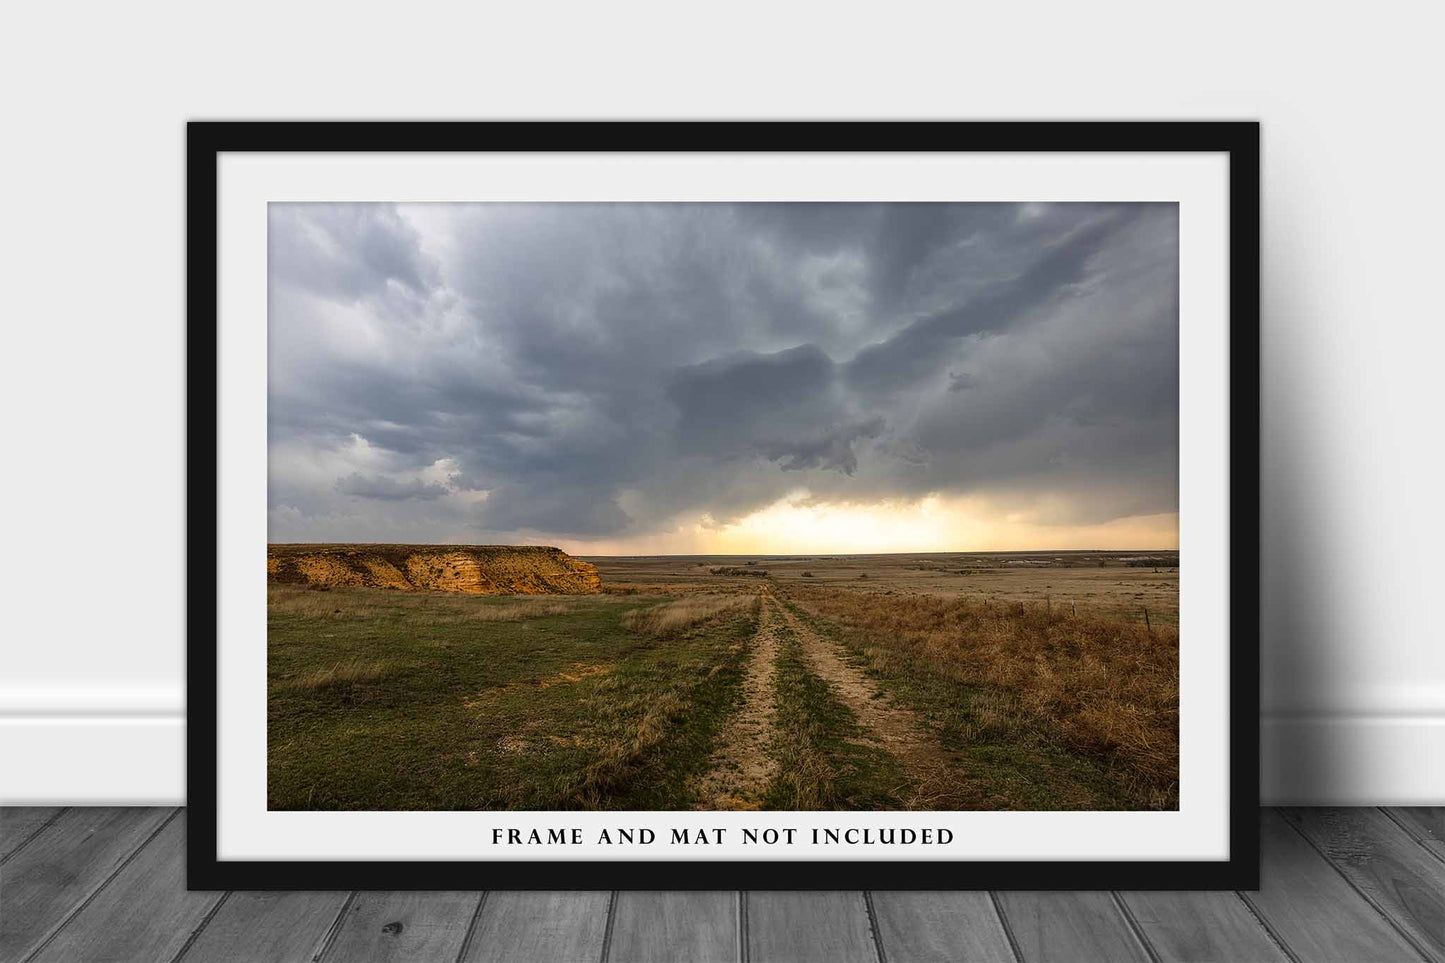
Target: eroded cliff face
(474, 569)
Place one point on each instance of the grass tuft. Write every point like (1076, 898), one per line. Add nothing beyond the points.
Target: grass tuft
(350, 672)
(673, 617)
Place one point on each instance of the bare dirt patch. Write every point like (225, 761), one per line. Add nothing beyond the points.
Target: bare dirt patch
(739, 771)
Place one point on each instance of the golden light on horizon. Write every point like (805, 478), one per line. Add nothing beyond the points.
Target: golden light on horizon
(800, 524)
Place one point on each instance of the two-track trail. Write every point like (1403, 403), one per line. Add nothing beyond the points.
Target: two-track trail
(895, 728)
(741, 768)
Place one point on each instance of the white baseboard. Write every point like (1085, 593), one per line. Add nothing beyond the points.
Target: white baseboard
(133, 759)
(138, 758)
(1353, 760)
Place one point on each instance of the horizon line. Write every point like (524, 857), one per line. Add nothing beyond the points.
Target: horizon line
(977, 551)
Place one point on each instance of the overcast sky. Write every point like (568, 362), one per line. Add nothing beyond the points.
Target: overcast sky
(626, 378)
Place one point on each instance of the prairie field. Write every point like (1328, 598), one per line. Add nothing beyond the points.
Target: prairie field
(971, 681)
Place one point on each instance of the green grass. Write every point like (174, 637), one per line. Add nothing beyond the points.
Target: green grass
(393, 700)
(822, 762)
(1004, 758)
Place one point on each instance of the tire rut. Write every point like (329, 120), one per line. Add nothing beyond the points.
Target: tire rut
(741, 768)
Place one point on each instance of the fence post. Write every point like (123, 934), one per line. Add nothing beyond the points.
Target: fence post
(1146, 622)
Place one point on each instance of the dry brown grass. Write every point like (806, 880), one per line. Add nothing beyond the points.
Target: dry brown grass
(419, 608)
(618, 755)
(1102, 582)
(658, 588)
(520, 610)
(574, 673)
(670, 618)
(322, 603)
(350, 672)
(1109, 686)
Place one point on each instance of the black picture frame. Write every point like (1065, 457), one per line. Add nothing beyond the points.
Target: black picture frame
(207, 140)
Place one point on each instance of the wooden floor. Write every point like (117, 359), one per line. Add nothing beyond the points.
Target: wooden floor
(1354, 885)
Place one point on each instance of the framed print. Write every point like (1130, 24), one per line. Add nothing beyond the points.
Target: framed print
(723, 505)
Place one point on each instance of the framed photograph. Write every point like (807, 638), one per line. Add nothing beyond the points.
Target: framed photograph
(723, 505)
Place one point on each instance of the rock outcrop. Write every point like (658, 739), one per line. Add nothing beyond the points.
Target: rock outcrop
(473, 569)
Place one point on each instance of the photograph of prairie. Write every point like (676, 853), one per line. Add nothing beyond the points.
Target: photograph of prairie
(724, 506)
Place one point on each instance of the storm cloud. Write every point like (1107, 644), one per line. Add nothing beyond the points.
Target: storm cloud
(603, 372)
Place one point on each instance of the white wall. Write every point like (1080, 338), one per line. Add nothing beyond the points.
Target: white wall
(92, 668)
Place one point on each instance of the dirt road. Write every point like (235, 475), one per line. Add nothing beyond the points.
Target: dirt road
(741, 769)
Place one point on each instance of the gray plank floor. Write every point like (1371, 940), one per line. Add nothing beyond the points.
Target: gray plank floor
(108, 884)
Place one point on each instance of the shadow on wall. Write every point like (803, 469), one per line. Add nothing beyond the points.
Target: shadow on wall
(1305, 621)
(1298, 619)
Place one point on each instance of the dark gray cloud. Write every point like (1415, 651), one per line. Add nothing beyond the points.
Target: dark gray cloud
(594, 370)
(788, 406)
(346, 251)
(388, 489)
